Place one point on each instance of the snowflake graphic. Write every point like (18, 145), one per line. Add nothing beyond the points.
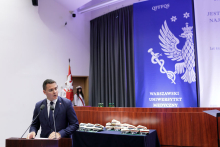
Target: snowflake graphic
(186, 15)
(173, 18)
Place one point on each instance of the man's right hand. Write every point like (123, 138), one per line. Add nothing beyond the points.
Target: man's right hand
(31, 135)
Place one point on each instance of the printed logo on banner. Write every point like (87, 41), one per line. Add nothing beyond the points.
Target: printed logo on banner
(169, 44)
(164, 54)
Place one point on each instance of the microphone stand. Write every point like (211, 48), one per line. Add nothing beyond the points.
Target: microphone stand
(54, 126)
(41, 108)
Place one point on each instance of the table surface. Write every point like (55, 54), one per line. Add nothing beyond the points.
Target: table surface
(117, 132)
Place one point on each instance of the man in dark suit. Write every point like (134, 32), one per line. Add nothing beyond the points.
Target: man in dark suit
(65, 118)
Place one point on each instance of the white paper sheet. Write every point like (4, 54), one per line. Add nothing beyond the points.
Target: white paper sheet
(212, 112)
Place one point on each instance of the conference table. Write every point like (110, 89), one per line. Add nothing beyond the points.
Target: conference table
(107, 138)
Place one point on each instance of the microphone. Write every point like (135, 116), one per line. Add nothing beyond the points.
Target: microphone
(41, 108)
(52, 108)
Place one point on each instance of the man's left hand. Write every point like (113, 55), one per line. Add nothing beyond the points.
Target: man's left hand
(52, 135)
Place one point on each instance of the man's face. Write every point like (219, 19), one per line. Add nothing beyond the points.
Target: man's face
(51, 91)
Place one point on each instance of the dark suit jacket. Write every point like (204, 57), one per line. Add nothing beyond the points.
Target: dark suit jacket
(65, 119)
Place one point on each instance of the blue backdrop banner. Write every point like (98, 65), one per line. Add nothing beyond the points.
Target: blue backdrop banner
(164, 54)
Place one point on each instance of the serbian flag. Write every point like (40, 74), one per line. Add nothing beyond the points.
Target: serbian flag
(69, 88)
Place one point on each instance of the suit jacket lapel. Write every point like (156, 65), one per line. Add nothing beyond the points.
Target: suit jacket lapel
(57, 107)
(45, 111)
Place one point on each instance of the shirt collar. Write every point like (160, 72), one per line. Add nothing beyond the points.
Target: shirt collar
(54, 101)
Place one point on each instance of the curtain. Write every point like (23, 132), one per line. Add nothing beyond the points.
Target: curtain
(111, 77)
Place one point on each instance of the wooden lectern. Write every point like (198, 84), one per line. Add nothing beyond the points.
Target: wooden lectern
(22, 142)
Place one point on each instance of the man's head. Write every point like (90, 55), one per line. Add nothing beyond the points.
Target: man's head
(50, 89)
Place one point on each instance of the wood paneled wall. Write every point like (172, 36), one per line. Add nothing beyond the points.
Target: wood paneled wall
(175, 126)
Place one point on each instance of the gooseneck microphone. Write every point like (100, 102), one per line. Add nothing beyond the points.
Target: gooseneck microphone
(41, 108)
(52, 108)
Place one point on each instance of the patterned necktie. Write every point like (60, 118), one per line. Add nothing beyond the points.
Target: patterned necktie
(51, 116)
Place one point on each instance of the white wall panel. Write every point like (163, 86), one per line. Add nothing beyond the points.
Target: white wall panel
(207, 16)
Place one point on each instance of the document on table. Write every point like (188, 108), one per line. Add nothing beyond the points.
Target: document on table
(40, 138)
(212, 112)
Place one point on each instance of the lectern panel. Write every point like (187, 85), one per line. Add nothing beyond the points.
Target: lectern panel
(18, 142)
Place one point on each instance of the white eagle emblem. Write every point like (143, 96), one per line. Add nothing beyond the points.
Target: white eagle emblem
(169, 46)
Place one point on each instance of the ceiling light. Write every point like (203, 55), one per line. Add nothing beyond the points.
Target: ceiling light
(98, 6)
